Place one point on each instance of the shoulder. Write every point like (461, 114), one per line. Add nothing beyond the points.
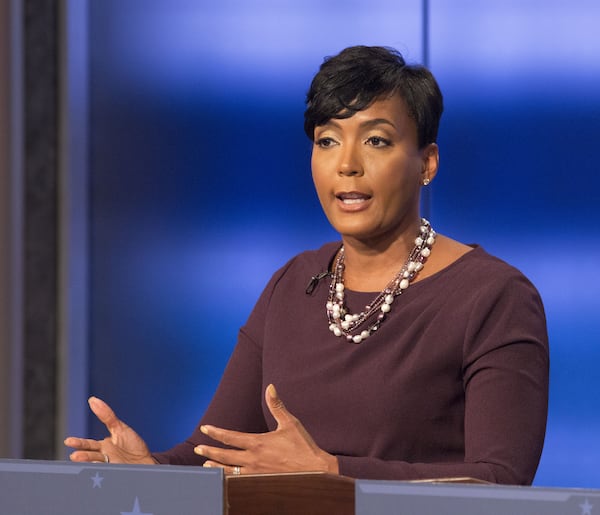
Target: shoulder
(301, 268)
(473, 260)
(321, 256)
(484, 282)
(290, 282)
(487, 266)
(495, 289)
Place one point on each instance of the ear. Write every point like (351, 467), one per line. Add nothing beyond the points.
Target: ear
(431, 161)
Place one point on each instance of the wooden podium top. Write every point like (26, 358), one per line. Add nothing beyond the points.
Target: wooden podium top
(293, 494)
(299, 493)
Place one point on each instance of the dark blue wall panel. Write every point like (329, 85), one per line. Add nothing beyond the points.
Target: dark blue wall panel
(201, 183)
(518, 176)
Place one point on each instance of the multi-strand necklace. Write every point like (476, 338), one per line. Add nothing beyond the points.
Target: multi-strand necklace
(343, 323)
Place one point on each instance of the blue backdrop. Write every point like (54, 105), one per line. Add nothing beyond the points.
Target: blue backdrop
(201, 188)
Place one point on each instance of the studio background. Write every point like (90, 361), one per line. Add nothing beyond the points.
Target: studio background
(197, 183)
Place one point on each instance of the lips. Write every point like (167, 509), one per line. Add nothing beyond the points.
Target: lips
(352, 197)
(352, 201)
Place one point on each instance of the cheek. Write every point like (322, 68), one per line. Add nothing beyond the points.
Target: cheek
(398, 188)
(319, 177)
(322, 190)
(314, 168)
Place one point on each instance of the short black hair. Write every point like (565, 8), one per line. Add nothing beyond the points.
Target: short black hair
(352, 80)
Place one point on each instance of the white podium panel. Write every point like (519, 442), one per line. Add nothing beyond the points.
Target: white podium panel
(402, 498)
(29, 487)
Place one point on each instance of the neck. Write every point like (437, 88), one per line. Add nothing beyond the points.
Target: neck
(369, 266)
(355, 327)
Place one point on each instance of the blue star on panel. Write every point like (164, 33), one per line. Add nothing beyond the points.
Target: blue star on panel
(135, 509)
(586, 508)
(97, 480)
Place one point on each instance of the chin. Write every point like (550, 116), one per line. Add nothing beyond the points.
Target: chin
(362, 236)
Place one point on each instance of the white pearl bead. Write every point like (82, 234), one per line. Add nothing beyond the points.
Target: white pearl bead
(340, 295)
(406, 274)
(339, 287)
(404, 284)
(337, 331)
(348, 318)
(345, 324)
(385, 308)
(430, 241)
(365, 334)
(329, 306)
(411, 266)
(418, 267)
(357, 338)
(332, 327)
(425, 252)
(355, 317)
(418, 241)
(389, 299)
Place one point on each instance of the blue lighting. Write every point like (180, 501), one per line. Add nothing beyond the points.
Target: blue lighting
(202, 189)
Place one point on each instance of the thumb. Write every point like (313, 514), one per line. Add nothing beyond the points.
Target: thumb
(105, 414)
(276, 406)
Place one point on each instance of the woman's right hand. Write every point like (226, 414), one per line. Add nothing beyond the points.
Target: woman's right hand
(123, 445)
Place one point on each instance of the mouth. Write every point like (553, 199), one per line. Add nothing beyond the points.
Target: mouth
(352, 198)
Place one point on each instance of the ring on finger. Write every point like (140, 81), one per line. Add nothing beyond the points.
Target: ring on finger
(237, 470)
(106, 458)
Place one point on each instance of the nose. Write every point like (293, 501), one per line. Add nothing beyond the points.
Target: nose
(350, 163)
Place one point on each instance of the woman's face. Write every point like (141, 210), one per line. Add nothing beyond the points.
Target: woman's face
(368, 171)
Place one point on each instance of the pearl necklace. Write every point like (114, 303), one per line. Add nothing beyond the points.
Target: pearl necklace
(343, 323)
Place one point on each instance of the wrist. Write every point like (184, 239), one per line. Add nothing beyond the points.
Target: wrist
(331, 464)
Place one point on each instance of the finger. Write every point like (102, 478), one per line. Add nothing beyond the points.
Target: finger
(222, 456)
(229, 437)
(88, 456)
(276, 406)
(215, 465)
(105, 414)
(232, 470)
(84, 444)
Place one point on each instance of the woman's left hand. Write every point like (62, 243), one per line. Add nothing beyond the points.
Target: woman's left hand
(287, 449)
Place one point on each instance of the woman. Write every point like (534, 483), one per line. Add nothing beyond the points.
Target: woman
(408, 355)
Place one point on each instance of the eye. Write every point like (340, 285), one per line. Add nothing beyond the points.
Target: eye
(325, 142)
(378, 141)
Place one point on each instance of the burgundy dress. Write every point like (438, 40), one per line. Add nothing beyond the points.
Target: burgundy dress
(454, 382)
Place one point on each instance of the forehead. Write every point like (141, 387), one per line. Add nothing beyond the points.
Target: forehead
(387, 110)
(390, 106)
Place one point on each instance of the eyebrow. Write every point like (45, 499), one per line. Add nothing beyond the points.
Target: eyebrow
(366, 124)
